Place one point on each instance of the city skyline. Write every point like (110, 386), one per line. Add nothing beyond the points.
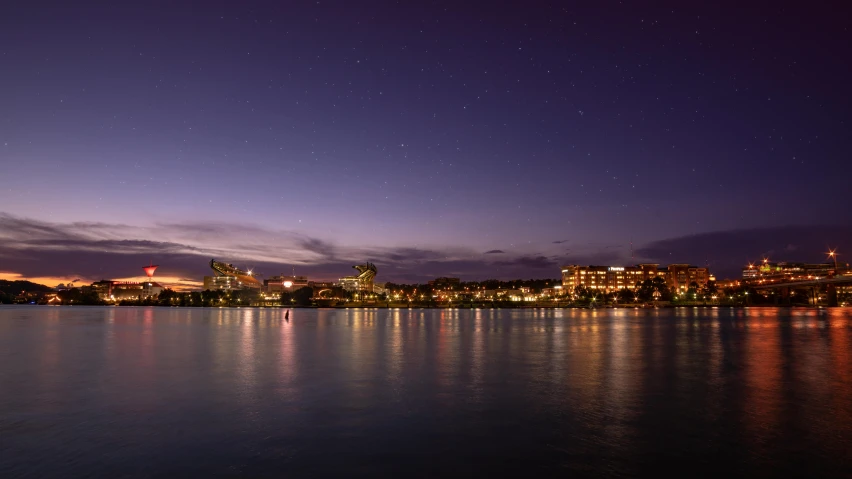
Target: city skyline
(439, 140)
(99, 248)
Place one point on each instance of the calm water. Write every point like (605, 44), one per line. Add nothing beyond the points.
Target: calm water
(134, 392)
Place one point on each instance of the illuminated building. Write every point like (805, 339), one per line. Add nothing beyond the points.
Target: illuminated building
(728, 284)
(502, 294)
(228, 277)
(767, 271)
(678, 277)
(325, 290)
(349, 283)
(607, 278)
(750, 272)
(129, 290)
(281, 283)
(363, 282)
(380, 288)
(551, 292)
(132, 290)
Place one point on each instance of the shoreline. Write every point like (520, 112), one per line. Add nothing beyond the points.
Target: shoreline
(604, 308)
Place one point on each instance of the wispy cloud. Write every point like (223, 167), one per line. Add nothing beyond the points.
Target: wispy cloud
(96, 250)
(92, 251)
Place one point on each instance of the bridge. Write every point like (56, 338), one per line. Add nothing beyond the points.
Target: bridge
(803, 283)
(833, 285)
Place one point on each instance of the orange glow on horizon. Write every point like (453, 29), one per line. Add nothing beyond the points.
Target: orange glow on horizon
(51, 281)
(174, 282)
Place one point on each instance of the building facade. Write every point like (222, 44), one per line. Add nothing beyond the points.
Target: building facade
(784, 271)
(680, 276)
(363, 282)
(222, 283)
(609, 279)
(111, 291)
(228, 277)
(281, 283)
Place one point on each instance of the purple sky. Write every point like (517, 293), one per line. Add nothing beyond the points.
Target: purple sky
(317, 135)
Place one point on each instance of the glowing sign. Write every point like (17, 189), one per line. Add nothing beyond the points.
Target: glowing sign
(616, 268)
(287, 284)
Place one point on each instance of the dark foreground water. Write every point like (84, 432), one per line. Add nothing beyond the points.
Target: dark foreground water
(135, 392)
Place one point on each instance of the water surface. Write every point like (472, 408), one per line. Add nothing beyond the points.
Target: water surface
(135, 392)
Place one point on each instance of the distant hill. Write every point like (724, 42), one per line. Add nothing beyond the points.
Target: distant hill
(12, 288)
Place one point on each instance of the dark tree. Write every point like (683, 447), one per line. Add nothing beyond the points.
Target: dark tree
(303, 296)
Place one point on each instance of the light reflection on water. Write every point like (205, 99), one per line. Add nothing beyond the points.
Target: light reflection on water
(142, 391)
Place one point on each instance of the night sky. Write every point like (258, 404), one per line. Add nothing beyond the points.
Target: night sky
(467, 139)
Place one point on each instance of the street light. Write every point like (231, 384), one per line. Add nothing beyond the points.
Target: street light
(832, 253)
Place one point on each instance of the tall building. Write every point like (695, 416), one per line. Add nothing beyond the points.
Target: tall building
(615, 278)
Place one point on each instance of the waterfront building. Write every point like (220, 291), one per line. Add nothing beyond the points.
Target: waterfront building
(111, 291)
(221, 283)
(608, 278)
(678, 277)
(363, 282)
(784, 271)
(227, 277)
(501, 294)
(326, 290)
(728, 284)
(349, 283)
(281, 283)
(750, 272)
(551, 292)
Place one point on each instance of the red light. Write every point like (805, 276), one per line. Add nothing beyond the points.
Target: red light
(149, 270)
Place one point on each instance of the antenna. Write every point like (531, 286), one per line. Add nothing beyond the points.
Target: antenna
(631, 250)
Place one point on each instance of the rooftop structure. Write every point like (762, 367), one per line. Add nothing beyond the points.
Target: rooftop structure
(149, 270)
